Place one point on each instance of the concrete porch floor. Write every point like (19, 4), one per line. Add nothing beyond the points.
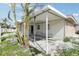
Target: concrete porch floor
(41, 45)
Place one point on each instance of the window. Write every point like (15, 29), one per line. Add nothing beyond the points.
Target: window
(38, 27)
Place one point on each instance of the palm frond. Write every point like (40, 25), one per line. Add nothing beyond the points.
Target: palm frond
(9, 13)
(32, 9)
(7, 35)
(22, 7)
(3, 33)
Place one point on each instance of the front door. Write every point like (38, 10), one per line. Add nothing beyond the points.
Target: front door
(32, 29)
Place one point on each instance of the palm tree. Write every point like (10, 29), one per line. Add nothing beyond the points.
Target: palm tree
(26, 19)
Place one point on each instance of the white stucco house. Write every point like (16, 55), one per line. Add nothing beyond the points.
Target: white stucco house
(50, 24)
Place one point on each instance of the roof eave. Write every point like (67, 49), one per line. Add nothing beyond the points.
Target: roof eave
(74, 19)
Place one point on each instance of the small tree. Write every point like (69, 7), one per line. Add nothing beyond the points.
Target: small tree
(13, 9)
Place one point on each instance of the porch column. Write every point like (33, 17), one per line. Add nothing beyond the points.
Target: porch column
(34, 29)
(64, 28)
(47, 34)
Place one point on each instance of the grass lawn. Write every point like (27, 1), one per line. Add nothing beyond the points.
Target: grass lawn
(13, 49)
(8, 48)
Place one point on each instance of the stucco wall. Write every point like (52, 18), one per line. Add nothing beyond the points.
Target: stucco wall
(70, 30)
(56, 29)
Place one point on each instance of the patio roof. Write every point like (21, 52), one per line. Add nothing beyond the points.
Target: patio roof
(52, 11)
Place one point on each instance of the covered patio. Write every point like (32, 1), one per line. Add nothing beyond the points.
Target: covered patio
(43, 36)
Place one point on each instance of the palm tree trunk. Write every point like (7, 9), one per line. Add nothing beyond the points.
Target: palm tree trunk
(26, 39)
(26, 22)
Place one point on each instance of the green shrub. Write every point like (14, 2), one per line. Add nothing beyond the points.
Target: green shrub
(66, 39)
(77, 43)
(2, 33)
(3, 38)
(70, 52)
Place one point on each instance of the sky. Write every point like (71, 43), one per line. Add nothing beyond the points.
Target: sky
(65, 8)
(4, 8)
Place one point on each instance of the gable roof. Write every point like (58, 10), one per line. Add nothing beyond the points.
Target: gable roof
(55, 11)
(49, 8)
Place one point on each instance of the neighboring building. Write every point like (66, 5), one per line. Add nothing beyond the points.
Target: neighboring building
(49, 23)
(8, 28)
